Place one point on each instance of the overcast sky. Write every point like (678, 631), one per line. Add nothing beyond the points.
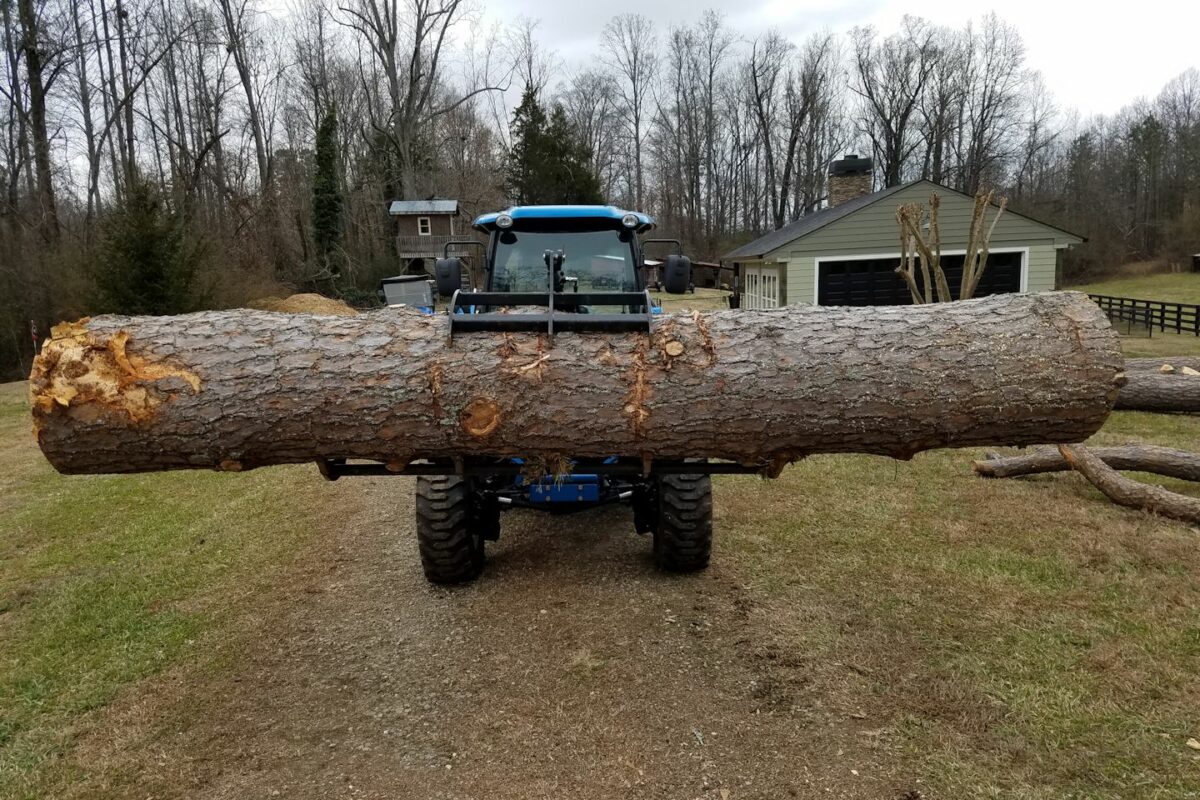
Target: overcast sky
(1095, 56)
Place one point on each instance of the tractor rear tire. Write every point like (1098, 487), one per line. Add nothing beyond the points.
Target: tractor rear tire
(683, 535)
(448, 536)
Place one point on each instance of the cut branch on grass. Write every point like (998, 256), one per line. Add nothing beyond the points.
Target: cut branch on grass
(1150, 458)
(1126, 491)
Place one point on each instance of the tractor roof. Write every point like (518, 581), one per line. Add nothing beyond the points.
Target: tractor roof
(487, 222)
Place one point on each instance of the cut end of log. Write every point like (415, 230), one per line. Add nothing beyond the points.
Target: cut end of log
(79, 369)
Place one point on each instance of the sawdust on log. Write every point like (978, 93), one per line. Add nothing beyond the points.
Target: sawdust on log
(303, 304)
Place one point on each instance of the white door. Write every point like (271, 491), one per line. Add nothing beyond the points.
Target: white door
(760, 286)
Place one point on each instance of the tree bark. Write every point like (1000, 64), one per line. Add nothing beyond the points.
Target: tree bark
(241, 389)
(1133, 457)
(1174, 393)
(1128, 492)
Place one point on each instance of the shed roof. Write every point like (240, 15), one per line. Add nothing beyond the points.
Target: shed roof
(819, 219)
(404, 208)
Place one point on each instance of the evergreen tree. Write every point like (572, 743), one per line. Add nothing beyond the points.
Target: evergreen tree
(145, 265)
(326, 194)
(548, 162)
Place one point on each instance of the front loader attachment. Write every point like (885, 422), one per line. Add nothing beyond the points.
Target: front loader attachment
(565, 311)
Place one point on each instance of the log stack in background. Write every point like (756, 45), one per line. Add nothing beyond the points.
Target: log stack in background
(241, 389)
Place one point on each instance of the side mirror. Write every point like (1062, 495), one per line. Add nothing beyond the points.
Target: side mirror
(448, 274)
(676, 272)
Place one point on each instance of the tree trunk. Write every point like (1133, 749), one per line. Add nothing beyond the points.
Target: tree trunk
(38, 84)
(242, 389)
(1175, 393)
(1131, 457)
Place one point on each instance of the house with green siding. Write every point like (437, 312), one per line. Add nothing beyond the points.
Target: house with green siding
(847, 254)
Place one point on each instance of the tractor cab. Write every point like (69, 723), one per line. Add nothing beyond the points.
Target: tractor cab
(582, 264)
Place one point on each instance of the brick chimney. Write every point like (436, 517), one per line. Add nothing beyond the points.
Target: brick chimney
(849, 178)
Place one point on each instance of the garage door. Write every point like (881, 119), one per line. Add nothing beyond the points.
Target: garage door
(874, 282)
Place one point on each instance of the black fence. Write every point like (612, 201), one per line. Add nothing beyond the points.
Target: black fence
(1151, 314)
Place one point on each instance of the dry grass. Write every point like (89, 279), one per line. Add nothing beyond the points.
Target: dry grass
(1022, 638)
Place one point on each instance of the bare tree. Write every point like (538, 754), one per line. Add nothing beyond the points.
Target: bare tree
(890, 76)
(995, 75)
(591, 101)
(43, 64)
(629, 45)
(407, 45)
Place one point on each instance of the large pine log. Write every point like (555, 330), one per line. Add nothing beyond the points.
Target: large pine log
(241, 389)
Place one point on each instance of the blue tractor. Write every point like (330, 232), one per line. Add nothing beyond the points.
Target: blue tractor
(581, 268)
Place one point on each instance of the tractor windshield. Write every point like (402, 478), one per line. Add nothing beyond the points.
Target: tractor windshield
(593, 261)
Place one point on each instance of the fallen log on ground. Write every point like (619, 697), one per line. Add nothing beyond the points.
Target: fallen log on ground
(1162, 393)
(1126, 491)
(1132, 457)
(240, 389)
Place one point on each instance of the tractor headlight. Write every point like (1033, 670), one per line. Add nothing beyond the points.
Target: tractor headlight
(504, 222)
(630, 220)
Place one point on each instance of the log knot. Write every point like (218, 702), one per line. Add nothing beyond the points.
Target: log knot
(480, 418)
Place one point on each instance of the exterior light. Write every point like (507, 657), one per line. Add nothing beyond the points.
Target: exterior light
(504, 221)
(630, 220)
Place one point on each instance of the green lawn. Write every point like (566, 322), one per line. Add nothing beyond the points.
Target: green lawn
(107, 579)
(1176, 287)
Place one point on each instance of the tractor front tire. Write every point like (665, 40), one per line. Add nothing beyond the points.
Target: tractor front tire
(683, 535)
(450, 541)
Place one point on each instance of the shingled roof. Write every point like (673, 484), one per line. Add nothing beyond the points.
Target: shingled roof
(807, 224)
(404, 208)
(812, 222)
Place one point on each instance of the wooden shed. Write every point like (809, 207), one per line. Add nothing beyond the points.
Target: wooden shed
(423, 227)
(847, 254)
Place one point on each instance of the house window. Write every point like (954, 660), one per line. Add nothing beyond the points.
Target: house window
(423, 226)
